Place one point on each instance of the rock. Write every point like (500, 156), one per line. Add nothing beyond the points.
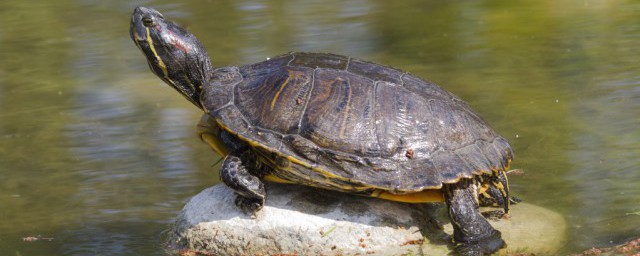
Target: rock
(300, 220)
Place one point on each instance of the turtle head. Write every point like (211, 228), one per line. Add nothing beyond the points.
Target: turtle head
(173, 54)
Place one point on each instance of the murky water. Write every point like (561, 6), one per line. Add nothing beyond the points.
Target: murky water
(98, 154)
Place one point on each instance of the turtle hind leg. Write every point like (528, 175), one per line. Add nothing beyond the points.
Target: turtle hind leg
(497, 192)
(249, 189)
(501, 183)
(493, 197)
(472, 233)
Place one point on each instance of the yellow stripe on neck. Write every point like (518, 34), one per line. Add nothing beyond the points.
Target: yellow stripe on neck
(155, 53)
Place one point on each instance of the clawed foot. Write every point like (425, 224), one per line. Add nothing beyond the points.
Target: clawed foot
(495, 215)
(514, 200)
(485, 246)
(249, 206)
(249, 189)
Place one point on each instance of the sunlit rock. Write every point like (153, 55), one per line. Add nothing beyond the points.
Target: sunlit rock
(306, 221)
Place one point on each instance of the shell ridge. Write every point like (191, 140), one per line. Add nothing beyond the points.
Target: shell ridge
(307, 100)
(293, 57)
(375, 112)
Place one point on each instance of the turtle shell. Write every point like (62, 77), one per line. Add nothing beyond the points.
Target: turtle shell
(337, 122)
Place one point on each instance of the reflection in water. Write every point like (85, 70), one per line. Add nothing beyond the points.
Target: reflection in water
(305, 26)
(125, 160)
(607, 157)
(96, 152)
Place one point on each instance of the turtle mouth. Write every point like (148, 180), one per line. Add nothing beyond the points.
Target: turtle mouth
(137, 29)
(136, 35)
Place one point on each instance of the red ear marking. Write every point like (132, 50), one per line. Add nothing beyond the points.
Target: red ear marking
(178, 43)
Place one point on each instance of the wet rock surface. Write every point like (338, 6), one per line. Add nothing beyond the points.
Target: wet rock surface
(306, 221)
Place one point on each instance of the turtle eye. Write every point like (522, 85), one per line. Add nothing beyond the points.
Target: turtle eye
(147, 21)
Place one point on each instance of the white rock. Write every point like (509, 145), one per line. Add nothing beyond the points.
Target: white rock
(307, 221)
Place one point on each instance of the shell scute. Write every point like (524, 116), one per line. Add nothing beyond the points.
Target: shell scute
(347, 124)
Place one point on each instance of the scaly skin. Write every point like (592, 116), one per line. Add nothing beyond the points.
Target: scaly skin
(471, 231)
(249, 188)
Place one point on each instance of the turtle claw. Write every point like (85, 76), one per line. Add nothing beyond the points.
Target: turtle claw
(494, 215)
(485, 246)
(515, 200)
(249, 206)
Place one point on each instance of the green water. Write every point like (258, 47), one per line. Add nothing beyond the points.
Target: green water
(98, 154)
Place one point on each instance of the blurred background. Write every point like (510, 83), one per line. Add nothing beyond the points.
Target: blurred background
(100, 155)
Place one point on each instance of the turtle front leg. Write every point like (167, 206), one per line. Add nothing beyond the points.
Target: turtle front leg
(472, 233)
(235, 173)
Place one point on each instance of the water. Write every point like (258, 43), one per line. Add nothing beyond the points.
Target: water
(98, 154)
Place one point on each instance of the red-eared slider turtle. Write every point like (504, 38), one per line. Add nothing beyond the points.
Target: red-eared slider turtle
(337, 123)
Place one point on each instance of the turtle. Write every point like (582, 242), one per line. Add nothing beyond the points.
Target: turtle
(337, 123)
